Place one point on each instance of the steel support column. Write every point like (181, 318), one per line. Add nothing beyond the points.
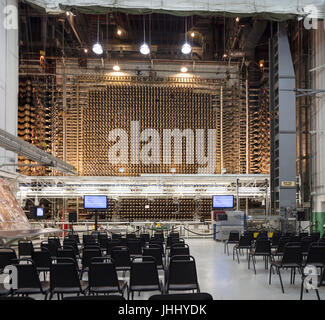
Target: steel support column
(283, 124)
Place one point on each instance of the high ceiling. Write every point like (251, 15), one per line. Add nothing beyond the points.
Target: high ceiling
(70, 34)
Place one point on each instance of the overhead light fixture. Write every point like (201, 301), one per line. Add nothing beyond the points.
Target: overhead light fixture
(186, 48)
(116, 68)
(119, 32)
(85, 50)
(225, 55)
(144, 48)
(237, 19)
(97, 47)
(184, 69)
(192, 34)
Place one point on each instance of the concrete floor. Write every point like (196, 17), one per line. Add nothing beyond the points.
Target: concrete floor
(225, 279)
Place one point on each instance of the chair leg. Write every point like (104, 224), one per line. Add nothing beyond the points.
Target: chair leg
(317, 293)
(253, 259)
(280, 280)
(237, 255)
(249, 261)
(302, 289)
(270, 275)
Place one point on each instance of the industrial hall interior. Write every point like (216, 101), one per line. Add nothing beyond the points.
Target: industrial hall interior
(162, 150)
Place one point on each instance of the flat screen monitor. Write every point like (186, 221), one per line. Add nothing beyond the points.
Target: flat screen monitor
(95, 202)
(37, 213)
(222, 202)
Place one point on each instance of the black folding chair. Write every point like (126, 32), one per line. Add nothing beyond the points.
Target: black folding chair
(28, 281)
(42, 261)
(232, 239)
(182, 275)
(262, 249)
(25, 248)
(103, 277)
(144, 276)
(292, 259)
(64, 278)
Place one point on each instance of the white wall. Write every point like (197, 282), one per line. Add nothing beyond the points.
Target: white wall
(318, 116)
(8, 75)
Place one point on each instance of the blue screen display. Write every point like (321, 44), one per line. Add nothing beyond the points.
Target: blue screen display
(221, 202)
(39, 212)
(95, 202)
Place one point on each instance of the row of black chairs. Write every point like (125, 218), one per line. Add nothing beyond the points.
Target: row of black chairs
(102, 277)
(292, 253)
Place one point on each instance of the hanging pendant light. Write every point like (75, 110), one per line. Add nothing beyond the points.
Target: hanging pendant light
(186, 48)
(144, 48)
(97, 47)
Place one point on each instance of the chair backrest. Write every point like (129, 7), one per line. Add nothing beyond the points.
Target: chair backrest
(102, 273)
(157, 244)
(41, 258)
(159, 236)
(179, 251)
(25, 248)
(64, 274)
(178, 244)
(55, 240)
(67, 252)
(130, 236)
(305, 243)
(145, 236)
(182, 271)
(88, 254)
(74, 236)
(233, 236)
(245, 241)
(315, 236)
(134, 247)
(263, 246)
(89, 239)
(111, 244)
(71, 243)
(144, 272)
(103, 239)
(121, 256)
(7, 257)
(27, 274)
(282, 242)
(153, 252)
(316, 255)
(292, 254)
(116, 236)
(174, 235)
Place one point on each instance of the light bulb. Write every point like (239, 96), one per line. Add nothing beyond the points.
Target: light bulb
(144, 49)
(192, 34)
(116, 68)
(97, 48)
(183, 69)
(119, 32)
(186, 48)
